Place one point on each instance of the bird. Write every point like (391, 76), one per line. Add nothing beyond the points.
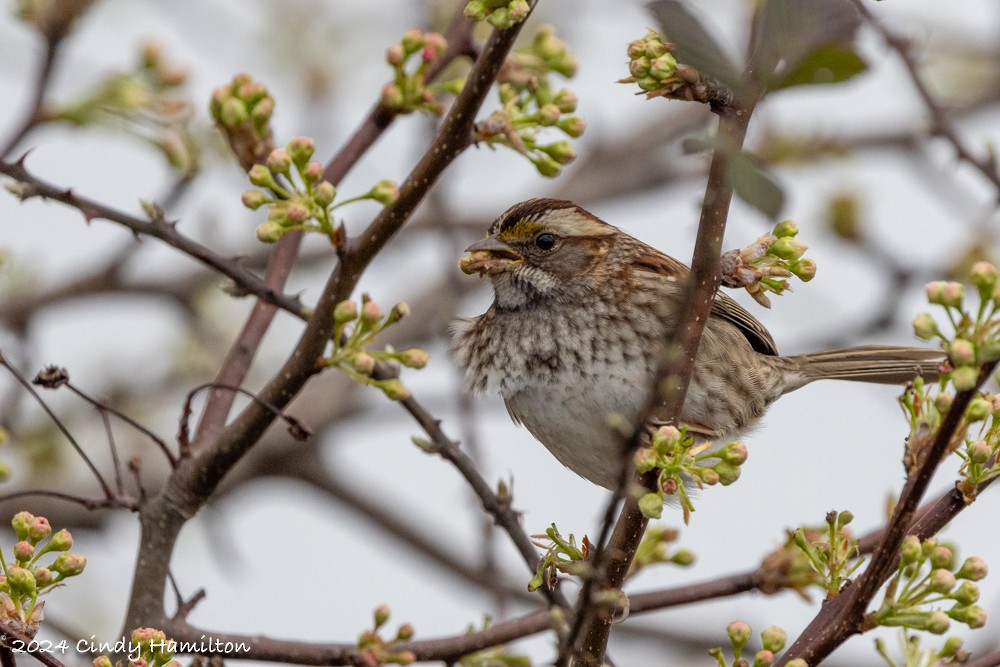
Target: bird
(575, 332)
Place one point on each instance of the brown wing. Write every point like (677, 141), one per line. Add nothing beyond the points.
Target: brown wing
(725, 307)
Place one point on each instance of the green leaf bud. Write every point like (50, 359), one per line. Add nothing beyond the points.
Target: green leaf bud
(546, 166)
(785, 228)
(787, 248)
(561, 151)
(651, 505)
(683, 557)
(728, 473)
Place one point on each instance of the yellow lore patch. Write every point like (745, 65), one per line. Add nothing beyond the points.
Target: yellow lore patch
(522, 229)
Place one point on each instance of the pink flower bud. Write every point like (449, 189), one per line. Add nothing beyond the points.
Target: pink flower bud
(39, 529)
(23, 551)
(941, 581)
(548, 115)
(973, 569)
(962, 352)
(414, 358)
(278, 161)
(395, 55)
(979, 451)
(253, 199)
(434, 46)
(69, 565)
(371, 313)
(312, 173)
(345, 311)
(738, 633)
(413, 40)
(297, 213)
(301, 150)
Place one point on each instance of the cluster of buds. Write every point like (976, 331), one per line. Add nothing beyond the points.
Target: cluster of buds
(374, 648)
(296, 196)
(562, 554)
(530, 104)
(354, 329)
(772, 641)
(242, 110)
(500, 14)
(677, 461)
(951, 653)
(655, 548)
(26, 579)
(409, 91)
(142, 102)
(768, 263)
(975, 341)
(655, 70)
(832, 552)
(148, 647)
(927, 578)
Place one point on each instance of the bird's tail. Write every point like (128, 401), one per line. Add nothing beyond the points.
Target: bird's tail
(882, 364)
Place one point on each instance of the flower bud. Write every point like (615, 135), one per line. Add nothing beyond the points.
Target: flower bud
(312, 173)
(392, 96)
(21, 522)
(941, 581)
(301, 149)
(254, 199)
(69, 564)
(405, 632)
(644, 459)
(663, 67)
(278, 161)
(683, 557)
(941, 556)
(648, 83)
(973, 569)
(636, 49)
(734, 453)
(20, 581)
(785, 228)
(381, 615)
(362, 362)
(985, 277)
(548, 115)
(269, 232)
(413, 40)
(232, 112)
(546, 166)
(395, 55)
(434, 45)
(39, 529)
(345, 311)
(394, 389)
(385, 192)
(296, 213)
(964, 378)
(23, 551)
(951, 647)
(669, 486)
(639, 67)
(978, 451)
(651, 505)
(763, 658)
(654, 46)
(804, 269)
(962, 352)
(936, 622)
(398, 312)
(974, 616)
(561, 151)
(572, 126)
(261, 176)
(979, 408)
(566, 100)
(728, 473)
(666, 438)
(738, 633)
(43, 576)
(787, 248)
(476, 10)
(709, 476)
(943, 401)
(371, 314)
(952, 294)
(773, 639)
(911, 552)
(967, 593)
(324, 194)
(102, 661)
(414, 358)
(924, 326)
(518, 10)
(797, 662)
(261, 112)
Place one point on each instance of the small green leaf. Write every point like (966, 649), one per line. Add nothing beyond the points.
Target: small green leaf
(828, 64)
(754, 185)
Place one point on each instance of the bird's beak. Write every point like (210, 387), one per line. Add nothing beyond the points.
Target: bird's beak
(489, 257)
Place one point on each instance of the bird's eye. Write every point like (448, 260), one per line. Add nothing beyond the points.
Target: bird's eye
(545, 241)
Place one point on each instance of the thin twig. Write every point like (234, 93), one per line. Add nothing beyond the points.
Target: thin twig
(35, 113)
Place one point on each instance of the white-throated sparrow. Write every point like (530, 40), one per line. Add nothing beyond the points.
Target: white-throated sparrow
(579, 319)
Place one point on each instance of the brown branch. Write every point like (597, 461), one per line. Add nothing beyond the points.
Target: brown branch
(587, 642)
(941, 125)
(35, 114)
(196, 478)
(842, 616)
(32, 186)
